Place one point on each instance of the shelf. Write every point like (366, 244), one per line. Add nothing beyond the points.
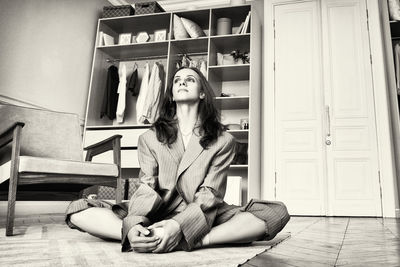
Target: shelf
(137, 23)
(237, 15)
(115, 127)
(233, 102)
(136, 50)
(242, 166)
(225, 44)
(239, 134)
(191, 45)
(240, 35)
(237, 72)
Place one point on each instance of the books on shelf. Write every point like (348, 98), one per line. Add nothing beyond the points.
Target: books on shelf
(246, 25)
(105, 39)
(239, 30)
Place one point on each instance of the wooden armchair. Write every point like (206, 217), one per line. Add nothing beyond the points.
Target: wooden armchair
(42, 147)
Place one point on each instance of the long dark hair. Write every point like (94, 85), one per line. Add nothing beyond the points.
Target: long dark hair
(166, 126)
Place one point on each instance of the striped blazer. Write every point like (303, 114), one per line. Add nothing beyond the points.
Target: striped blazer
(170, 175)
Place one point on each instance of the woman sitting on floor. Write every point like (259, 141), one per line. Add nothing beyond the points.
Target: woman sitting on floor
(184, 160)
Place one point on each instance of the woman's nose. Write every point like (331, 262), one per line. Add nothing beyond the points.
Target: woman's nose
(182, 82)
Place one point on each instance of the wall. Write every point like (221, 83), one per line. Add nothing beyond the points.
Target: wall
(46, 51)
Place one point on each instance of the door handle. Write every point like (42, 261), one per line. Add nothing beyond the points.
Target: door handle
(328, 120)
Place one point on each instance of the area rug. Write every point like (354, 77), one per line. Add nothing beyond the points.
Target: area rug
(53, 244)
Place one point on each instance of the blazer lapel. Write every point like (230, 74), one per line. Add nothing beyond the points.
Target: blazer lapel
(176, 149)
(192, 151)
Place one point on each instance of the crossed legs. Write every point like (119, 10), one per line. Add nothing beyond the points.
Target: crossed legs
(242, 228)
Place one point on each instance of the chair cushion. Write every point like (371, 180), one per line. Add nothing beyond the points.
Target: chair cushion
(5, 171)
(46, 165)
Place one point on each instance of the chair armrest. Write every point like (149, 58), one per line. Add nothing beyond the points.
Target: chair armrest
(111, 143)
(7, 135)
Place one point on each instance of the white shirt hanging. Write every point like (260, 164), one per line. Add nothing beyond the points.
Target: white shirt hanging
(142, 93)
(153, 95)
(121, 93)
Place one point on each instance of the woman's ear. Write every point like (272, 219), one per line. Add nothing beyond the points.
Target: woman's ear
(202, 95)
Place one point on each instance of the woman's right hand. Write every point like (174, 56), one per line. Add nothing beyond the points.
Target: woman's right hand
(140, 241)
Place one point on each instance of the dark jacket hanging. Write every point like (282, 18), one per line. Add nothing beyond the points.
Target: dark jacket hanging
(133, 84)
(110, 100)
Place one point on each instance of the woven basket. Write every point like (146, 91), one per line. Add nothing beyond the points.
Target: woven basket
(148, 8)
(118, 11)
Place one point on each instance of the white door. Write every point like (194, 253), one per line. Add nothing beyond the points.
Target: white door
(299, 145)
(326, 148)
(353, 179)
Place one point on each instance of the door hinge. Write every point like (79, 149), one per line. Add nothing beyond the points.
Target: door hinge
(275, 186)
(274, 28)
(370, 58)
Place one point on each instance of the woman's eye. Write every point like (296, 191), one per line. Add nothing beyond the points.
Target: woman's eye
(190, 79)
(176, 80)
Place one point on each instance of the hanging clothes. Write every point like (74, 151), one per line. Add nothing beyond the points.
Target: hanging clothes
(153, 96)
(142, 93)
(121, 93)
(110, 99)
(158, 95)
(203, 68)
(133, 84)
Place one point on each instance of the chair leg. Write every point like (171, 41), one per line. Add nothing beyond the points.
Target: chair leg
(118, 191)
(12, 196)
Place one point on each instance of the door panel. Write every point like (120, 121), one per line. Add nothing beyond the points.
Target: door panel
(298, 104)
(353, 182)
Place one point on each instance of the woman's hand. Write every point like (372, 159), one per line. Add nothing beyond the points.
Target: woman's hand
(140, 241)
(172, 235)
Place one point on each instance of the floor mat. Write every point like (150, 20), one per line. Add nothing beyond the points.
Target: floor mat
(54, 244)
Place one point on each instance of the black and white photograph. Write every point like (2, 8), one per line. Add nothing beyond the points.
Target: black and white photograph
(222, 133)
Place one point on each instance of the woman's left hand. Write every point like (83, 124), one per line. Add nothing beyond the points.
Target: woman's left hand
(172, 235)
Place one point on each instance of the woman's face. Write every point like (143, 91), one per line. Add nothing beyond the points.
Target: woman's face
(186, 86)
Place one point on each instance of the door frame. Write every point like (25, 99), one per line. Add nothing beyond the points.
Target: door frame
(390, 203)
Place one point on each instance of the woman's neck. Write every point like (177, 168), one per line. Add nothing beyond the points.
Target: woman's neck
(187, 116)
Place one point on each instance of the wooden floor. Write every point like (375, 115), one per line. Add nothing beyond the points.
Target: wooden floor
(314, 241)
(335, 241)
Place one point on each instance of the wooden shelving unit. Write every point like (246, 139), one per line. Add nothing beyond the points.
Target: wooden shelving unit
(242, 81)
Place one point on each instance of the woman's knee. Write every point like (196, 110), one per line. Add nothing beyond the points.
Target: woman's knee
(282, 212)
(76, 218)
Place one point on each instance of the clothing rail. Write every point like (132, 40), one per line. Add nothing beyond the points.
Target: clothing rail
(153, 57)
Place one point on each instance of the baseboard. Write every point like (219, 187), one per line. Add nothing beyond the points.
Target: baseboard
(397, 213)
(24, 208)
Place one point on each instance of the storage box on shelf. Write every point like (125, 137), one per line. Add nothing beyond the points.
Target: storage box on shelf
(118, 11)
(239, 86)
(148, 8)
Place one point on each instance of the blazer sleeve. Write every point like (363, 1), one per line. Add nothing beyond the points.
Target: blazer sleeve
(198, 217)
(145, 201)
